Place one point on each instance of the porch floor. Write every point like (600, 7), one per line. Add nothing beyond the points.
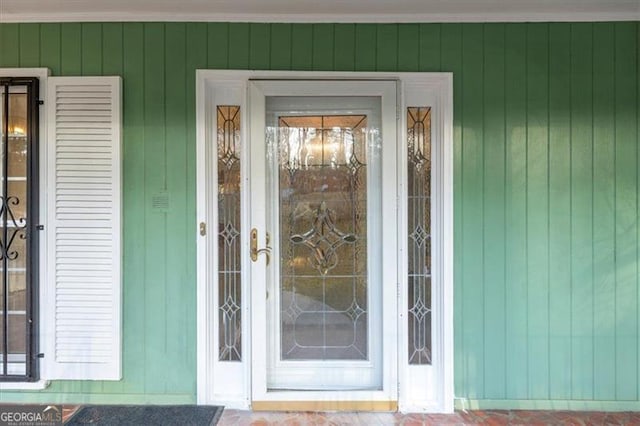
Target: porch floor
(473, 417)
(487, 417)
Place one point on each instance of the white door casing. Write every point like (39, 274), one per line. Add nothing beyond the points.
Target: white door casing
(236, 384)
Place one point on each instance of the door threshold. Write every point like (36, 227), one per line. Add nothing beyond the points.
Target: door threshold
(325, 406)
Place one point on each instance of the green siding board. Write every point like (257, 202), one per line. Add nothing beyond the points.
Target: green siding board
(604, 344)
(626, 208)
(472, 213)
(451, 48)
(430, 54)
(545, 191)
(134, 272)
(365, 58)
(537, 211)
(301, 47)
(322, 47)
(387, 47)
(71, 49)
(29, 45)
(155, 222)
(259, 55)
(409, 54)
(493, 328)
(560, 367)
(196, 44)
(516, 205)
(280, 47)
(10, 44)
(238, 47)
(176, 302)
(344, 45)
(50, 47)
(112, 49)
(581, 212)
(217, 45)
(91, 49)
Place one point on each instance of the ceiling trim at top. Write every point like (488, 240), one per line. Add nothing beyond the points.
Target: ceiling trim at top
(291, 18)
(332, 11)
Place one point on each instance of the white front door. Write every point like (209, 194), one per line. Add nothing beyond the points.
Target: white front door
(322, 179)
(325, 240)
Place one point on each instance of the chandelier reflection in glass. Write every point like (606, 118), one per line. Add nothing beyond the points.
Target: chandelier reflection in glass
(323, 140)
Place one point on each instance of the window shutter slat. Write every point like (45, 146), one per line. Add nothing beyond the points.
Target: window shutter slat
(83, 279)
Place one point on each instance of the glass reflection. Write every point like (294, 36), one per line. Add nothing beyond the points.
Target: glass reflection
(323, 236)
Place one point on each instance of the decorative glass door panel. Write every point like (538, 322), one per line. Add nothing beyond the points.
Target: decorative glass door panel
(324, 188)
(323, 236)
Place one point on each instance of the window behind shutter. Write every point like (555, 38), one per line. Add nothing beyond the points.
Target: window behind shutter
(83, 280)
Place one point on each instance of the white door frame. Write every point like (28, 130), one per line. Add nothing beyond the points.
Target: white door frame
(386, 91)
(420, 387)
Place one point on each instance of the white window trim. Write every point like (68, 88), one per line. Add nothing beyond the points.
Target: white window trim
(209, 84)
(38, 385)
(42, 74)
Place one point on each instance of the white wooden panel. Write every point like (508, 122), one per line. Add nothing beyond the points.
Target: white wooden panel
(83, 228)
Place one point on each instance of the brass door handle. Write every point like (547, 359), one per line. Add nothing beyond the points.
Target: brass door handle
(255, 251)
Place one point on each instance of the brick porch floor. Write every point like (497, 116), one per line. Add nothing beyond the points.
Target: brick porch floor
(487, 417)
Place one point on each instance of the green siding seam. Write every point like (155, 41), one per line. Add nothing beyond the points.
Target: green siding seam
(526, 202)
(548, 210)
(615, 215)
(461, 207)
(570, 210)
(637, 197)
(60, 55)
(19, 40)
(593, 291)
(505, 209)
(484, 215)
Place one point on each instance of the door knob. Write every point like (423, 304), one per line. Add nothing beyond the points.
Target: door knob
(255, 251)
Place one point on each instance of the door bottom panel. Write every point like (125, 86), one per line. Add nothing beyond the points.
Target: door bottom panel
(325, 406)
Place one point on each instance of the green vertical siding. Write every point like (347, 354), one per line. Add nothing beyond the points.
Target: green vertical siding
(546, 191)
(559, 208)
(493, 242)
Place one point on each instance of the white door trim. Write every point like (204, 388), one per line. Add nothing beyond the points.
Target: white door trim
(230, 383)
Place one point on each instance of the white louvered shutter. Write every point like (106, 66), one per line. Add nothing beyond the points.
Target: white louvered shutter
(83, 280)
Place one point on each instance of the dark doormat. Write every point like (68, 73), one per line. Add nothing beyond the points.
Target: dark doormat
(156, 415)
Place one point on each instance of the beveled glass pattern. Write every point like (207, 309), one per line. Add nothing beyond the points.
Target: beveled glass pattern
(419, 231)
(323, 237)
(229, 276)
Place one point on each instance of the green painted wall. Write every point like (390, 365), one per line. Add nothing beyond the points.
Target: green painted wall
(546, 191)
